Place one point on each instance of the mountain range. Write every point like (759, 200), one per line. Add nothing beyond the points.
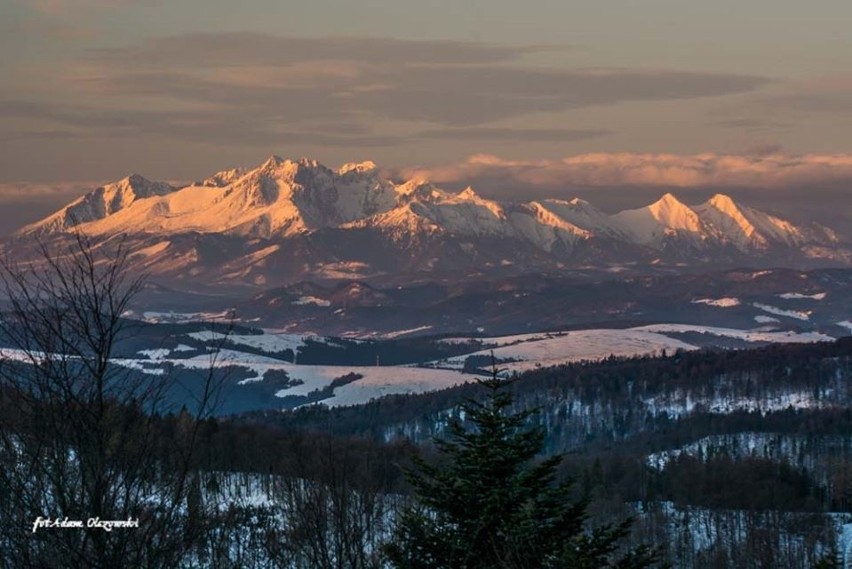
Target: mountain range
(292, 220)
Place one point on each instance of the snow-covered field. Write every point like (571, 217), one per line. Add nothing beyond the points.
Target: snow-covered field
(520, 352)
(271, 343)
(543, 350)
(785, 337)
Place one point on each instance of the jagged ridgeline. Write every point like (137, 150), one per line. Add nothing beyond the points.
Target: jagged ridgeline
(288, 220)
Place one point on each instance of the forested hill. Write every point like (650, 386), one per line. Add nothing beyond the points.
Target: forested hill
(616, 398)
(726, 456)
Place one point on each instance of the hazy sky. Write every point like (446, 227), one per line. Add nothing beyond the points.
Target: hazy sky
(176, 89)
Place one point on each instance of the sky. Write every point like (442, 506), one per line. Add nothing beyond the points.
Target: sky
(673, 92)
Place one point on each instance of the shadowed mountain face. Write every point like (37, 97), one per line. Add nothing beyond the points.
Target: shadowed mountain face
(288, 221)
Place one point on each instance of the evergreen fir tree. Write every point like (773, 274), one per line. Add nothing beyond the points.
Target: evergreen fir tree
(830, 560)
(491, 504)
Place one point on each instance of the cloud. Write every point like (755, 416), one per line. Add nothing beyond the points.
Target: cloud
(63, 7)
(816, 98)
(512, 134)
(226, 125)
(831, 94)
(290, 80)
(709, 170)
(249, 48)
(29, 192)
(752, 123)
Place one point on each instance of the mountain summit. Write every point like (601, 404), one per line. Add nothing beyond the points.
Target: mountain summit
(286, 219)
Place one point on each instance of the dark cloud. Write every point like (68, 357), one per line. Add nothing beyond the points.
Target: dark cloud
(512, 134)
(764, 171)
(752, 124)
(478, 95)
(226, 126)
(298, 80)
(827, 102)
(815, 98)
(64, 7)
(241, 48)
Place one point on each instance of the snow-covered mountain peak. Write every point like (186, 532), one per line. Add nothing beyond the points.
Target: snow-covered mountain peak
(416, 188)
(309, 162)
(723, 203)
(674, 214)
(358, 167)
(133, 179)
(278, 167)
(271, 163)
(664, 219)
(469, 194)
(582, 215)
(667, 200)
(746, 228)
(223, 178)
(99, 204)
(134, 185)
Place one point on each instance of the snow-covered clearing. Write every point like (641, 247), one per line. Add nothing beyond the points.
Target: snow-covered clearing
(726, 302)
(303, 300)
(272, 343)
(543, 350)
(747, 335)
(399, 333)
(186, 317)
(797, 314)
(800, 296)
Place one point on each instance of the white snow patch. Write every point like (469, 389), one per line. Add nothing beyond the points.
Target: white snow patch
(799, 295)
(185, 317)
(311, 300)
(747, 335)
(797, 314)
(551, 349)
(153, 249)
(765, 319)
(725, 302)
(398, 333)
(156, 354)
(381, 381)
(272, 343)
(678, 404)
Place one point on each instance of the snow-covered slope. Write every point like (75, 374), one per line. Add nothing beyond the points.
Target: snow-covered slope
(666, 218)
(102, 203)
(746, 228)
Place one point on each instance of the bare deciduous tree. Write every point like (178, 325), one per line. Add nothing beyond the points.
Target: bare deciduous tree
(80, 436)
